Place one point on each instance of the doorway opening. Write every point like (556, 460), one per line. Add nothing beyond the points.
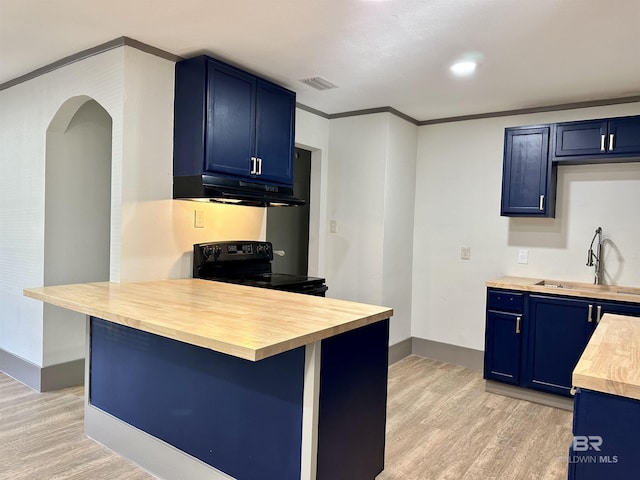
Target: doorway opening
(77, 226)
(288, 228)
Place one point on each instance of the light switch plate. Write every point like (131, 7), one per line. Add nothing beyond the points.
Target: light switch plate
(333, 226)
(523, 256)
(465, 253)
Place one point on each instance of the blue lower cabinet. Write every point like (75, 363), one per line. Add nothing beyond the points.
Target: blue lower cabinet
(241, 417)
(559, 330)
(605, 444)
(503, 347)
(353, 404)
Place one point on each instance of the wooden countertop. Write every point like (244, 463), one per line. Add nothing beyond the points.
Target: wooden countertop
(571, 289)
(611, 361)
(246, 322)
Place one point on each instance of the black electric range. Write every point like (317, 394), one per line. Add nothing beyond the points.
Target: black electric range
(249, 263)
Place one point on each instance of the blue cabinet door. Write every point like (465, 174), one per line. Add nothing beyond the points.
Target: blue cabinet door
(605, 429)
(528, 180)
(275, 107)
(503, 347)
(231, 115)
(624, 136)
(558, 331)
(618, 308)
(603, 140)
(581, 138)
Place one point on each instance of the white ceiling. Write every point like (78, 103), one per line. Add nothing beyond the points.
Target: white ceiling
(380, 53)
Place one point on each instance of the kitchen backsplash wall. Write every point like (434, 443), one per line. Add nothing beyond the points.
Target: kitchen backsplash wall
(458, 192)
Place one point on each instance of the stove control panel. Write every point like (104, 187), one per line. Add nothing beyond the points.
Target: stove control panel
(218, 252)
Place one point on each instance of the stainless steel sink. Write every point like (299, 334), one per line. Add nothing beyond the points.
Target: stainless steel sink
(628, 292)
(589, 287)
(554, 284)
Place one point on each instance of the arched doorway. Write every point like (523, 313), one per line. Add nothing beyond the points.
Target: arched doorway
(77, 217)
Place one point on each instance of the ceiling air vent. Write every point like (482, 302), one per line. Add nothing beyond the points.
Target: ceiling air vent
(319, 83)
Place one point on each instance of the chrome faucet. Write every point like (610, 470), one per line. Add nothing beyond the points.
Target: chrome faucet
(596, 256)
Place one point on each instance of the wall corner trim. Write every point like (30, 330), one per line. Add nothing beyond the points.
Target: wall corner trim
(90, 52)
(369, 111)
(400, 350)
(312, 110)
(445, 352)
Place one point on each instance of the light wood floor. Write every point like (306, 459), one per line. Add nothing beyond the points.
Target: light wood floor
(441, 425)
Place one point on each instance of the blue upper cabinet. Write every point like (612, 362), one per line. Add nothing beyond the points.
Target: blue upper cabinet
(230, 122)
(528, 178)
(230, 142)
(581, 138)
(275, 132)
(613, 139)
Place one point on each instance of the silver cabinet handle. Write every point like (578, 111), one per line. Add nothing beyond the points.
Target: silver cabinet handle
(602, 147)
(590, 314)
(259, 166)
(598, 313)
(253, 166)
(541, 207)
(611, 135)
(518, 322)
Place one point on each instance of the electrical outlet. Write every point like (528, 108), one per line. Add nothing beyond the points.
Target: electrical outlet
(198, 218)
(465, 253)
(523, 256)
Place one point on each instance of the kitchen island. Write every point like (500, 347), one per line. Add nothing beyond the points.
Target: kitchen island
(198, 379)
(607, 403)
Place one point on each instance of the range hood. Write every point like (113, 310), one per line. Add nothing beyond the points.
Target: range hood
(219, 189)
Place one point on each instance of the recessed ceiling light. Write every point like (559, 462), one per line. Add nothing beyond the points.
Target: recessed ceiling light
(464, 68)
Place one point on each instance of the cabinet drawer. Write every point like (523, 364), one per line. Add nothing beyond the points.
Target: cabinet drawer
(505, 301)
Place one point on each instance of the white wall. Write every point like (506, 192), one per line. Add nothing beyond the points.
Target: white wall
(399, 198)
(312, 133)
(458, 183)
(371, 198)
(26, 111)
(357, 148)
(151, 235)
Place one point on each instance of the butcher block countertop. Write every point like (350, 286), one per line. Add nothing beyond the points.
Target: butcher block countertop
(571, 289)
(611, 361)
(246, 322)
